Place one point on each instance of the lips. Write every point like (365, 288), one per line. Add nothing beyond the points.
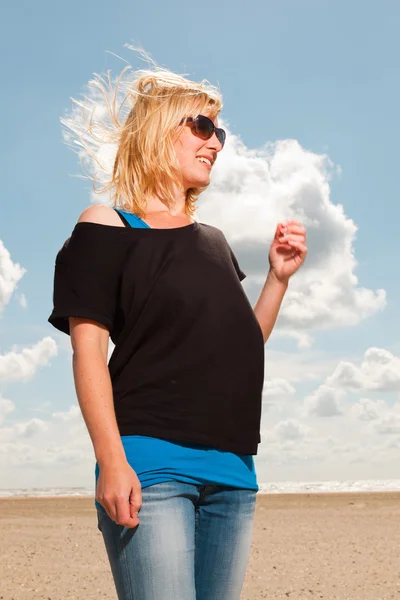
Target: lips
(205, 161)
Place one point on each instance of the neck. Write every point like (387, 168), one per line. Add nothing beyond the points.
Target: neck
(155, 205)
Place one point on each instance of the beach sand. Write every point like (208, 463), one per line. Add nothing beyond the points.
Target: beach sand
(330, 546)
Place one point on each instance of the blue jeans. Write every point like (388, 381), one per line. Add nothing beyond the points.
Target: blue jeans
(192, 543)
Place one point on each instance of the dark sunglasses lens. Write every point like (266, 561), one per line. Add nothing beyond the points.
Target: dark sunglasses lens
(221, 136)
(204, 127)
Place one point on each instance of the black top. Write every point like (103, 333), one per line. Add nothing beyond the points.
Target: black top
(188, 362)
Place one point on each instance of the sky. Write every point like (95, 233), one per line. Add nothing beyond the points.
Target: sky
(311, 94)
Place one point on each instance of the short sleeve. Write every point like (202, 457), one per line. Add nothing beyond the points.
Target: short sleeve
(238, 270)
(87, 277)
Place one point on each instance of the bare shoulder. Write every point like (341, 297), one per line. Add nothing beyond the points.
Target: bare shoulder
(102, 214)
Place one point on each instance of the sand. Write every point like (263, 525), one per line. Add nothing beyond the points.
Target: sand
(330, 546)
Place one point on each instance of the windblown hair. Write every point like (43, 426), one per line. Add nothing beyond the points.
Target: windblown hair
(134, 157)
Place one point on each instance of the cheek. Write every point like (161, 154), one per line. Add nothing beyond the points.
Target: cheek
(187, 146)
(183, 157)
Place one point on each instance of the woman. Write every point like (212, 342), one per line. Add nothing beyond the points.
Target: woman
(175, 415)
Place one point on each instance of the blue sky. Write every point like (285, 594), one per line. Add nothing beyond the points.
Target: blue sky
(324, 74)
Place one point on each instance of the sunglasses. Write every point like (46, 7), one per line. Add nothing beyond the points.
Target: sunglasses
(204, 128)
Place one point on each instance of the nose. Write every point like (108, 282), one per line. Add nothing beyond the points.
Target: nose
(214, 144)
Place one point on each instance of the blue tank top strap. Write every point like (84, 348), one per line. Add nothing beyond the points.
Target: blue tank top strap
(132, 219)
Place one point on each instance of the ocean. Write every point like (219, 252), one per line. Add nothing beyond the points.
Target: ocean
(281, 487)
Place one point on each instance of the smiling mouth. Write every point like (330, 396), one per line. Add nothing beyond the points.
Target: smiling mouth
(205, 161)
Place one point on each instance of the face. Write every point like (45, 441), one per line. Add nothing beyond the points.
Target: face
(194, 156)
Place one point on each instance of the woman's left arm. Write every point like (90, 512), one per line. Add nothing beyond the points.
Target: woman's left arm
(287, 253)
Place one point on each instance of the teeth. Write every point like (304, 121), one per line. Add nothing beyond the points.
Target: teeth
(204, 160)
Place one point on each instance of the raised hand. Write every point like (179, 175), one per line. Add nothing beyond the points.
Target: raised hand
(288, 250)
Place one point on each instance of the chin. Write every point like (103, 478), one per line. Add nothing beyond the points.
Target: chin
(197, 181)
(200, 183)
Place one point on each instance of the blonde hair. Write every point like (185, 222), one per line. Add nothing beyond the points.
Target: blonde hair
(144, 162)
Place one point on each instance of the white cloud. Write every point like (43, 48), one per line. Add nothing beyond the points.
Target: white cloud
(368, 410)
(22, 365)
(251, 191)
(32, 451)
(288, 430)
(379, 371)
(74, 413)
(320, 456)
(393, 442)
(307, 365)
(6, 407)
(10, 274)
(275, 392)
(23, 301)
(277, 387)
(23, 430)
(110, 350)
(361, 442)
(325, 402)
(388, 424)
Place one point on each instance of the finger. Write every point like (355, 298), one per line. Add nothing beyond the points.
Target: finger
(123, 513)
(291, 236)
(302, 248)
(134, 507)
(134, 516)
(294, 229)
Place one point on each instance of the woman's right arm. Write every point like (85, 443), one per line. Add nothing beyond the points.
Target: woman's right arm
(118, 488)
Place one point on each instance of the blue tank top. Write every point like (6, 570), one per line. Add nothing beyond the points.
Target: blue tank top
(155, 460)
